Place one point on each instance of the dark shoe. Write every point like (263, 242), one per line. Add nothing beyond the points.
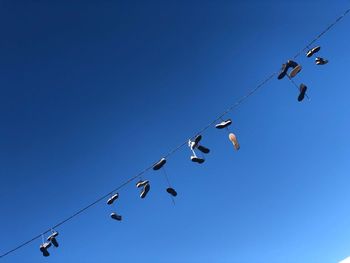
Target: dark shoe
(203, 149)
(302, 90)
(223, 124)
(195, 159)
(320, 61)
(312, 51)
(141, 183)
(159, 164)
(52, 239)
(283, 71)
(112, 199)
(285, 67)
(145, 190)
(116, 217)
(197, 140)
(44, 247)
(171, 191)
(193, 144)
(291, 64)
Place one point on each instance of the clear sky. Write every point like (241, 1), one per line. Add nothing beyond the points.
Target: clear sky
(92, 92)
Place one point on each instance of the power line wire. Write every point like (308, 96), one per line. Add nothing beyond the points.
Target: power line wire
(235, 105)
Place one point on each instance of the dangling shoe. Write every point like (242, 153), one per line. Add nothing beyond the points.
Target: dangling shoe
(223, 124)
(312, 51)
(203, 149)
(195, 159)
(234, 141)
(52, 238)
(295, 71)
(196, 141)
(283, 71)
(291, 64)
(44, 247)
(159, 164)
(321, 61)
(191, 144)
(112, 199)
(116, 217)
(302, 90)
(171, 191)
(141, 183)
(145, 190)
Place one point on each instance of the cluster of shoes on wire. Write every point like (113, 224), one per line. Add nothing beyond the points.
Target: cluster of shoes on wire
(296, 68)
(194, 144)
(51, 240)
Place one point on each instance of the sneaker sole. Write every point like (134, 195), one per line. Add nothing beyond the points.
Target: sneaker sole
(145, 191)
(171, 191)
(313, 51)
(203, 149)
(295, 71)
(302, 94)
(159, 164)
(222, 126)
(234, 141)
(198, 160)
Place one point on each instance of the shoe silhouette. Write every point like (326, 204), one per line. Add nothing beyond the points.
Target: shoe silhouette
(295, 71)
(312, 51)
(203, 149)
(195, 159)
(171, 191)
(159, 164)
(302, 90)
(116, 217)
(112, 199)
(44, 247)
(286, 66)
(234, 141)
(321, 61)
(141, 183)
(52, 238)
(145, 190)
(223, 124)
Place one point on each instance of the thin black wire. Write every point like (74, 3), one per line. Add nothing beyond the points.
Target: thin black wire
(239, 102)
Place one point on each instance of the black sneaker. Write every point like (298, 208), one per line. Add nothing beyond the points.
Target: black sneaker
(145, 190)
(159, 164)
(283, 71)
(112, 199)
(320, 61)
(203, 149)
(302, 90)
(223, 124)
(313, 51)
(52, 238)
(195, 159)
(197, 140)
(171, 191)
(44, 247)
(291, 64)
(141, 183)
(116, 217)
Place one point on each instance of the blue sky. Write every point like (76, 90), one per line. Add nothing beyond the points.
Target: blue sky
(92, 92)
